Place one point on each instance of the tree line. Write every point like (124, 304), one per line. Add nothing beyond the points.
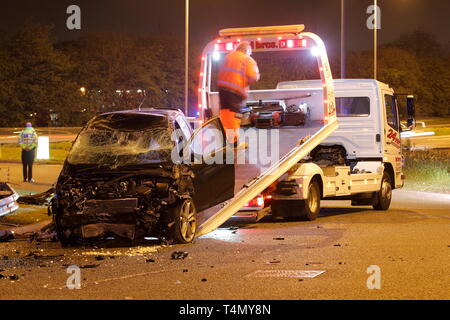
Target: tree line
(66, 83)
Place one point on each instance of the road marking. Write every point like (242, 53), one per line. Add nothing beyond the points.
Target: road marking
(285, 274)
(110, 279)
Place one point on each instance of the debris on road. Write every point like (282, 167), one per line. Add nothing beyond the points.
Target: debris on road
(99, 258)
(149, 260)
(89, 266)
(6, 235)
(308, 263)
(126, 252)
(204, 280)
(38, 199)
(14, 277)
(278, 239)
(179, 255)
(8, 199)
(42, 257)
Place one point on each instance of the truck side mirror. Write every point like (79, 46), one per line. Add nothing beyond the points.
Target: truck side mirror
(411, 112)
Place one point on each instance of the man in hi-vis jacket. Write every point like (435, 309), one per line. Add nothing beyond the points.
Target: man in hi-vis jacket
(28, 143)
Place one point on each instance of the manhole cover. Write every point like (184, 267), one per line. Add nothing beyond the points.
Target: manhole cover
(285, 274)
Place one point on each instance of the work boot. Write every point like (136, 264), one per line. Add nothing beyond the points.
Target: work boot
(31, 181)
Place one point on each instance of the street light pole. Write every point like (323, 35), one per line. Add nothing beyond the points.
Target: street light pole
(186, 66)
(343, 49)
(375, 40)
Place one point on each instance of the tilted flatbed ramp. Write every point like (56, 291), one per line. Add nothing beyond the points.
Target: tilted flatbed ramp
(259, 184)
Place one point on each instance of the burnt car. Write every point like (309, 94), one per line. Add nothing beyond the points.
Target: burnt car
(120, 179)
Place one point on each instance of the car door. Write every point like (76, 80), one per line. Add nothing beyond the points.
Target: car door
(392, 125)
(214, 176)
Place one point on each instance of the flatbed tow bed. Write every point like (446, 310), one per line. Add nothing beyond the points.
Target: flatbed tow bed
(281, 38)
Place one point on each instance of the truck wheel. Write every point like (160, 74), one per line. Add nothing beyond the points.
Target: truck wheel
(183, 222)
(383, 198)
(310, 207)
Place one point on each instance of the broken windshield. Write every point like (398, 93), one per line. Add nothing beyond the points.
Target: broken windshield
(121, 139)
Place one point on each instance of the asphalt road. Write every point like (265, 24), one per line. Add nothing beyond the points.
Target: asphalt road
(410, 243)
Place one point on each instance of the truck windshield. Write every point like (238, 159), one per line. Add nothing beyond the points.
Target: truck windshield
(117, 140)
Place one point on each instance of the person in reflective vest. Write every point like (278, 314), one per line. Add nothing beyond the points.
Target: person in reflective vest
(237, 73)
(28, 143)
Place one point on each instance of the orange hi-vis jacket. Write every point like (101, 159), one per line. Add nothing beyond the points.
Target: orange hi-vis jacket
(239, 70)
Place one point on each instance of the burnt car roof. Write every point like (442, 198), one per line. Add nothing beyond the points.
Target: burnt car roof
(171, 114)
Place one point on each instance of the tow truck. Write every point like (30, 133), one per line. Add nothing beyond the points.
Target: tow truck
(355, 153)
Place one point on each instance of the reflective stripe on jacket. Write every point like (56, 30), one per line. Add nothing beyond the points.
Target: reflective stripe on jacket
(238, 72)
(28, 139)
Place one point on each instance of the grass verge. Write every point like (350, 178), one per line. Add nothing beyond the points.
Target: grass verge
(58, 152)
(427, 170)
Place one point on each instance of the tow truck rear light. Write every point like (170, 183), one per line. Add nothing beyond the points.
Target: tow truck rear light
(225, 46)
(230, 46)
(293, 43)
(256, 202)
(260, 201)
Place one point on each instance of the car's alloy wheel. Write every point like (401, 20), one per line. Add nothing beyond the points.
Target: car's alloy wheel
(182, 222)
(188, 221)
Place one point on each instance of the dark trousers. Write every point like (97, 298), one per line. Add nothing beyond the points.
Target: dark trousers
(230, 100)
(27, 162)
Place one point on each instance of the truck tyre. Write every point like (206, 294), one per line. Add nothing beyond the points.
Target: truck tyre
(182, 224)
(310, 207)
(383, 198)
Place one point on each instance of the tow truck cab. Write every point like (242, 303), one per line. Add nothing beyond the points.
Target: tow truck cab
(368, 142)
(369, 124)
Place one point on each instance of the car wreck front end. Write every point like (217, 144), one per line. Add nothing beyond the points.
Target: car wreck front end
(119, 181)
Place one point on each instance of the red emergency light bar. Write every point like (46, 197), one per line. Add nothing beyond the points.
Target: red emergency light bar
(253, 31)
(263, 44)
(293, 43)
(225, 46)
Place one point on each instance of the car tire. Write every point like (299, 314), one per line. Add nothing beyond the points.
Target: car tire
(383, 198)
(182, 225)
(310, 207)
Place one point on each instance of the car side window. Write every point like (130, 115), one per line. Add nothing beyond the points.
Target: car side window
(184, 127)
(391, 112)
(208, 139)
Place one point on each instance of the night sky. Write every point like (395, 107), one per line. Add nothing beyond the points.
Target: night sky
(149, 17)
